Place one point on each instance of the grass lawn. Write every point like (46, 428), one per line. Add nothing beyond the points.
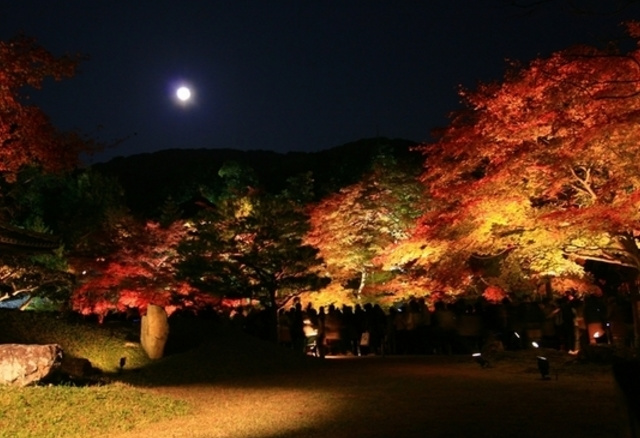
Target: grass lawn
(71, 411)
(233, 386)
(65, 411)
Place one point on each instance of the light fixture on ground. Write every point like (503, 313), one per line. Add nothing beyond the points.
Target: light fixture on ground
(516, 340)
(543, 367)
(543, 364)
(484, 363)
(600, 337)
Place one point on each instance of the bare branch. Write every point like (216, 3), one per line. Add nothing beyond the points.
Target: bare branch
(584, 184)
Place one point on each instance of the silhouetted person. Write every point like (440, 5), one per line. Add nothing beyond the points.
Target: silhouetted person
(445, 326)
(298, 338)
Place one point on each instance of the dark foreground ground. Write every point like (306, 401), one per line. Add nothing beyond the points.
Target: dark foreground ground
(254, 392)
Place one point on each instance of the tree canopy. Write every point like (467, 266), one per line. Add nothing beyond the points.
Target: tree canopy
(251, 245)
(539, 169)
(30, 146)
(354, 226)
(26, 133)
(138, 271)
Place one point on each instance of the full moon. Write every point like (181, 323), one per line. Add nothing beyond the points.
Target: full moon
(183, 93)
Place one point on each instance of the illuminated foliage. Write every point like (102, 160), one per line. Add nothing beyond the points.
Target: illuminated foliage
(251, 246)
(354, 226)
(540, 170)
(140, 272)
(30, 147)
(30, 276)
(26, 134)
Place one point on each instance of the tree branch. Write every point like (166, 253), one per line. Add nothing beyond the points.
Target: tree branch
(584, 184)
(610, 261)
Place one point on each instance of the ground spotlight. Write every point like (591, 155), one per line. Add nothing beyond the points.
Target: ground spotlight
(600, 337)
(543, 364)
(484, 363)
(543, 367)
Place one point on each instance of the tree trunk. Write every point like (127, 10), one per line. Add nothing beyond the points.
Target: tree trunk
(363, 280)
(548, 289)
(273, 317)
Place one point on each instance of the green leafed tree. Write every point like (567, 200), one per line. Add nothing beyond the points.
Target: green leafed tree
(79, 207)
(252, 245)
(36, 276)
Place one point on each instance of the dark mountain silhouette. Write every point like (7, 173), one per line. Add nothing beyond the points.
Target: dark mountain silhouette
(180, 174)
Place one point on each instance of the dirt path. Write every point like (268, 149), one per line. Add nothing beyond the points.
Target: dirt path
(396, 397)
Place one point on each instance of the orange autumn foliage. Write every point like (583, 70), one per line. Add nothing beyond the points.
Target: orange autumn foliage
(353, 227)
(140, 273)
(539, 171)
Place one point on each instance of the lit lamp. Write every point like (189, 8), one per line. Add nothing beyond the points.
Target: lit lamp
(484, 363)
(596, 332)
(543, 367)
(516, 340)
(598, 337)
(543, 364)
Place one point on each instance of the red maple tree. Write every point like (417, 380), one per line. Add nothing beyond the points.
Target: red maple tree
(140, 272)
(538, 171)
(26, 133)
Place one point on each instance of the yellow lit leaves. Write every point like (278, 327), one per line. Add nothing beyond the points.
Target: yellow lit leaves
(244, 207)
(412, 251)
(550, 260)
(541, 169)
(497, 221)
(579, 284)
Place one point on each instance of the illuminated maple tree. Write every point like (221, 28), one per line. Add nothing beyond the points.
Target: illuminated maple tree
(26, 133)
(539, 170)
(140, 272)
(354, 226)
(28, 140)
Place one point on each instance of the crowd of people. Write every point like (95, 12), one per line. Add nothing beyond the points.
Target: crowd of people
(452, 328)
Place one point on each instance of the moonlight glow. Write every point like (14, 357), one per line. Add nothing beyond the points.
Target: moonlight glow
(183, 93)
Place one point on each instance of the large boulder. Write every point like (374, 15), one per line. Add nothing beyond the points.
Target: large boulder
(22, 364)
(154, 331)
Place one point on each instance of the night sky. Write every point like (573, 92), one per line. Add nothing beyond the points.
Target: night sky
(295, 75)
